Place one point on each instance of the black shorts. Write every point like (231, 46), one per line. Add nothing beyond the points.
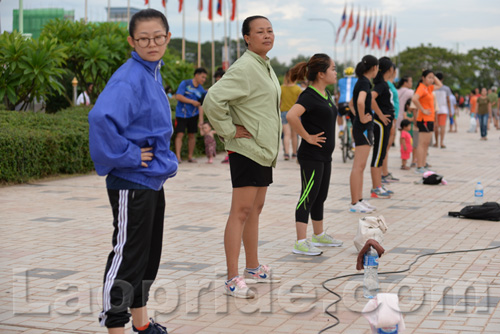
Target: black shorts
(362, 136)
(190, 123)
(424, 126)
(381, 134)
(247, 173)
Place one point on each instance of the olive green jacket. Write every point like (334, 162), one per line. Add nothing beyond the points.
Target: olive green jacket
(248, 95)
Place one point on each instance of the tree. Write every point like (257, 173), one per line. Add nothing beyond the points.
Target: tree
(32, 69)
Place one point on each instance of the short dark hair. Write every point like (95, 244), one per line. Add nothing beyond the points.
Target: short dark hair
(219, 73)
(405, 122)
(200, 70)
(146, 15)
(440, 75)
(245, 28)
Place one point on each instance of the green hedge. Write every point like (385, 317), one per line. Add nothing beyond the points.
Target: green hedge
(37, 145)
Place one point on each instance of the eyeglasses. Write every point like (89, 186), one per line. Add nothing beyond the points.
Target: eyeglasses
(144, 42)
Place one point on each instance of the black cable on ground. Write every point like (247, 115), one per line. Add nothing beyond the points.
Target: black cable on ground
(385, 273)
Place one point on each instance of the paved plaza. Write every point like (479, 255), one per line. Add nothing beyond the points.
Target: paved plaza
(56, 235)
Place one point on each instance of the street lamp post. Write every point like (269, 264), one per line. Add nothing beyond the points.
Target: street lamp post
(334, 34)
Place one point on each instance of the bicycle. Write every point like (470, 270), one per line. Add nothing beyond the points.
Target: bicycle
(346, 140)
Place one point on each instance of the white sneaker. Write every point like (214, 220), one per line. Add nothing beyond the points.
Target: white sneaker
(360, 208)
(368, 205)
(237, 287)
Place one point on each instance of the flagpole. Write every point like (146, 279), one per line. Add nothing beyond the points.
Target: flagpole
(109, 10)
(213, 51)
(183, 31)
(225, 61)
(199, 36)
(237, 26)
(128, 10)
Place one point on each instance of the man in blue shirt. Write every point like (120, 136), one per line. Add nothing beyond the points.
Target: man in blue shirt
(189, 112)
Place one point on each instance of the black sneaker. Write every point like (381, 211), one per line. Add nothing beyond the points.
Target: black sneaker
(153, 328)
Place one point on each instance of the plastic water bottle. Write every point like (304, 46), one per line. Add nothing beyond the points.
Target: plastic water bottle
(478, 194)
(370, 278)
(388, 330)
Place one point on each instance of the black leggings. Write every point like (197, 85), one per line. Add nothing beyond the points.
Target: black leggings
(381, 134)
(315, 177)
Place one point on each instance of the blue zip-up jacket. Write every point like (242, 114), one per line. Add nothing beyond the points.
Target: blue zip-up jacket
(131, 113)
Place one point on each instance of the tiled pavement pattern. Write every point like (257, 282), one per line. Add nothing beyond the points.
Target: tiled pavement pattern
(56, 235)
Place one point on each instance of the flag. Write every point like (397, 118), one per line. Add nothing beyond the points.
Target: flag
(388, 42)
(384, 35)
(379, 33)
(357, 27)
(342, 24)
(368, 30)
(164, 3)
(349, 25)
(233, 10)
(374, 30)
(394, 36)
(200, 5)
(146, 2)
(219, 7)
(180, 5)
(210, 10)
(364, 29)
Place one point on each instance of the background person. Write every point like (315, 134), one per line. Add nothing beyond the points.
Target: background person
(129, 137)
(243, 107)
(387, 176)
(362, 131)
(346, 89)
(382, 124)
(483, 112)
(313, 118)
(189, 112)
(289, 94)
(84, 97)
(424, 101)
(443, 112)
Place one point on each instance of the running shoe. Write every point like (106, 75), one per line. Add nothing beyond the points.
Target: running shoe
(379, 193)
(389, 177)
(368, 205)
(325, 240)
(420, 170)
(306, 248)
(390, 192)
(237, 287)
(360, 208)
(261, 274)
(153, 328)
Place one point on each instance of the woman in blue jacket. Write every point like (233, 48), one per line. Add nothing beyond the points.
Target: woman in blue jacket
(129, 135)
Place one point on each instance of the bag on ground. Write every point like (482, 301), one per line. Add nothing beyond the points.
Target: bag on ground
(485, 211)
(370, 228)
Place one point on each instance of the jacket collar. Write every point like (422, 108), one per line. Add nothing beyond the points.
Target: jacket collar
(265, 62)
(152, 66)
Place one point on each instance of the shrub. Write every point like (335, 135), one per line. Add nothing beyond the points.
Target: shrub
(35, 145)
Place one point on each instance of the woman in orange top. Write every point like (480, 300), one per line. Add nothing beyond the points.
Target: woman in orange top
(424, 100)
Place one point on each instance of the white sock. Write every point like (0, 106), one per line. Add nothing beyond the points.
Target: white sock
(319, 235)
(341, 127)
(301, 240)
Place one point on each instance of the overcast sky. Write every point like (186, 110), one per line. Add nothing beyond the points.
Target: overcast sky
(453, 24)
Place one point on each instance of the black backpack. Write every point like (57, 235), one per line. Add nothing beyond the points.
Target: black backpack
(432, 179)
(486, 211)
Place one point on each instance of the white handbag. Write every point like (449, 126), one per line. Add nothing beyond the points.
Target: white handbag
(370, 228)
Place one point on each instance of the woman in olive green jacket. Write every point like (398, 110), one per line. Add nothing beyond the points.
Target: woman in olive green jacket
(243, 108)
